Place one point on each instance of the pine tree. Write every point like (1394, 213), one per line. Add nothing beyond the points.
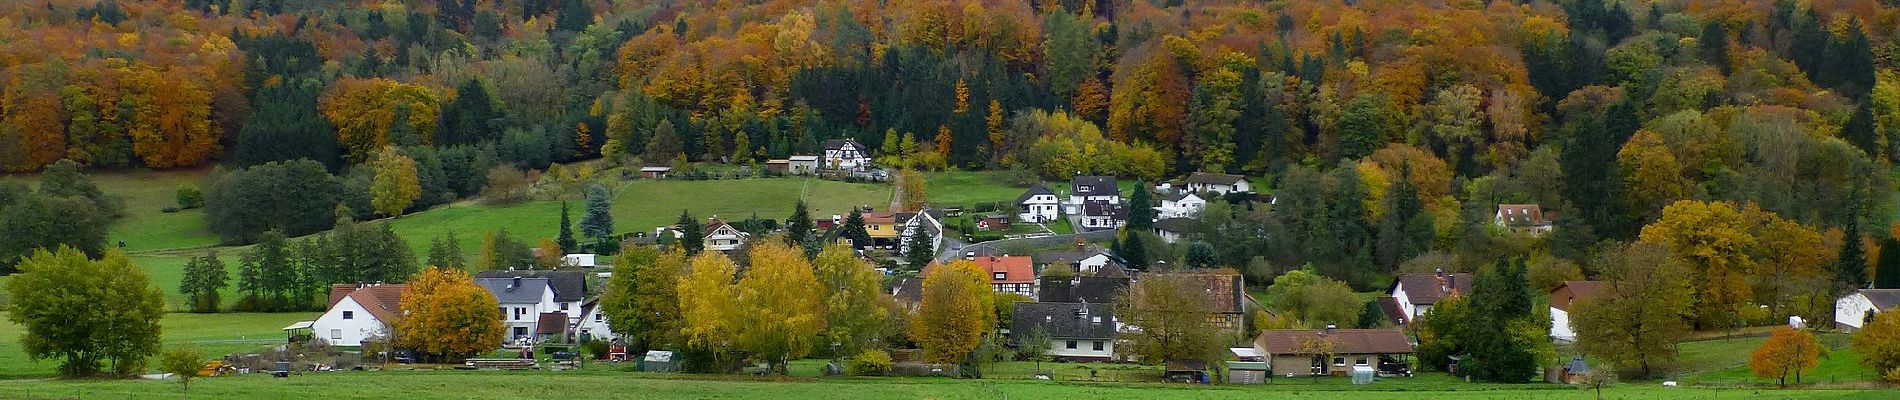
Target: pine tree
(204, 278)
(446, 252)
(920, 251)
(566, 240)
(798, 230)
(598, 221)
(1887, 270)
(1859, 130)
(1132, 250)
(692, 232)
(1141, 210)
(1502, 298)
(854, 229)
(1850, 272)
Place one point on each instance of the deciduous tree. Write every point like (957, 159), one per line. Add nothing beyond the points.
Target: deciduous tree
(1788, 351)
(709, 307)
(785, 302)
(955, 312)
(396, 185)
(204, 278)
(447, 315)
(1645, 306)
(84, 312)
(1173, 313)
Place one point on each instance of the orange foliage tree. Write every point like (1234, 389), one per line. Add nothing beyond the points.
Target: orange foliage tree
(364, 109)
(448, 315)
(1788, 352)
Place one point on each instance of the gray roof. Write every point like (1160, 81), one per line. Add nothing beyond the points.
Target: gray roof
(1063, 320)
(1882, 298)
(1096, 185)
(836, 144)
(1082, 289)
(515, 290)
(1176, 225)
(569, 285)
(1104, 209)
(1210, 178)
(1037, 189)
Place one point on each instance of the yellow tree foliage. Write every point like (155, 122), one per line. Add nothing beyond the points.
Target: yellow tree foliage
(1791, 259)
(364, 109)
(171, 119)
(913, 189)
(1652, 173)
(955, 314)
(781, 297)
(1715, 240)
(963, 97)
(709, 305)
(942, 143)
(993, 126)
(1788, 352)
(447, 314)
(1878, 343)
(395, 186)
(548, 254)
(855, 307)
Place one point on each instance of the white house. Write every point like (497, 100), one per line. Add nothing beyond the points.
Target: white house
(1172, 229)
(1416, 293)
(1562, 298)
(802, 165)
(1180, 205)
(1076, 331)
(1085, 258)
(1852, 311)
(593, 322)
(1092, 189)
(1525, 219)
(359, 314)
(721, 236)
(523, 303)
(846, 154)
(1208, 182)
(578, 260)
(1038, 205)
(1102, 215)
(930, 220)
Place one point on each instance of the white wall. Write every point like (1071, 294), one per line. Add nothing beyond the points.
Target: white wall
(337, 331)
(1851, 311)
(1083, 348)
(1560, 328)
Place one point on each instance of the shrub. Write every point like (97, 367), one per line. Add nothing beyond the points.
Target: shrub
(189, 197)
(871, 363)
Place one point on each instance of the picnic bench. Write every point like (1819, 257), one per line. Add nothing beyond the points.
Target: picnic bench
(500, 363)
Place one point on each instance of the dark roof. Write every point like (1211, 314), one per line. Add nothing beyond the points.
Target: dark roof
(1882, 298)
(1179, 196)
(1082, 289)
(909, 289)
(1176, 225)
(551, 323)
(1069, 256)
(1104, 209)
(1345, 341)
(569, 285)
(1390, 305)
(1034, 190)
(1097, 186)
(1210, 178)
(1063, 320)
(1224, 288)
(1424, 289)
(1185, 365)
(514, 290)
(835, 144)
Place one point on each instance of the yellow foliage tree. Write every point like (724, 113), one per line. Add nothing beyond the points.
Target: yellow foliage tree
(955, 314)
(364, 109)
(1788, 352)
(395, 186)
(1878, 343)
(448, 315)
(782, 297)
(709, 305)
(855, 307)
(1715, 240)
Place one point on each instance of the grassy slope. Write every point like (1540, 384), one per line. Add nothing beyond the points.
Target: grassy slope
(145, 193)
(605, 384)
(215, 334)
(1726, 362)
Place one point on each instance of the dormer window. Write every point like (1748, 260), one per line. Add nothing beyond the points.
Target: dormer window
(1001, 276)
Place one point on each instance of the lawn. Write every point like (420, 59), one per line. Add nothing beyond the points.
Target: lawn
(614, 384)
(966, 188)
(214, 334)
(641, 205)
(1725, 362)
(145, 194)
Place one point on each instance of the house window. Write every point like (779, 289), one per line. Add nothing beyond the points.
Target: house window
(1000, 276)
(1071, 344)
(1339, 361)
(349, 315)
(1098, 344)
(598, 317)
(1362, 361)
(336, 334)
(563, 306)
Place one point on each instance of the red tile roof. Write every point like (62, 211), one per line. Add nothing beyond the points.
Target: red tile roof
(382, 301)
(1015, 269)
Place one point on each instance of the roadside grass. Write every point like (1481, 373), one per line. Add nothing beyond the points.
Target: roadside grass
(214, 334)
(590, 384)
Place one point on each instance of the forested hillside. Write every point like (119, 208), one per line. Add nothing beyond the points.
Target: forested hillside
(1602, 111)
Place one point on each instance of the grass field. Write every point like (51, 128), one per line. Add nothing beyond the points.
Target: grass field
(614, 384)
(214, 334)
(1725, 362)
(145, 194)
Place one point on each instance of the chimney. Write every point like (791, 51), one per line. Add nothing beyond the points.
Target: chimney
(515, 284)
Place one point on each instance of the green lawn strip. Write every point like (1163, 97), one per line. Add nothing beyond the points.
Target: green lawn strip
(1726, 363)
(617, 384)
(213, 334)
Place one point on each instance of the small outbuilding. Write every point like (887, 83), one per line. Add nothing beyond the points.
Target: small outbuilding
(658, 361)
(1185, 371)
(655, 172)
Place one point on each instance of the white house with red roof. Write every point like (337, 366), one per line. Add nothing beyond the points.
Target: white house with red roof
(359, 313)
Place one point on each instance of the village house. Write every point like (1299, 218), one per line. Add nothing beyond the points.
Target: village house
(1076, 331)
(884, 228)
(1415, 293)
(1562, 298)
(1180, 205)
(524, 302)
(1171, 230)
(1851, 312)
(994, 222)
(1332, 351)
(1208, 182)
(1085, 258)
(569, 286)
(1081, 289)
(359, 314)
(1091, 189)
(593, 323)
(721, 236)
(846, 154)
(1102, 215)
(1010, 274)
(930, 219)
(802, 165)
(1038, 205)
(1227, 291)
(1524, 219)
(578, 260)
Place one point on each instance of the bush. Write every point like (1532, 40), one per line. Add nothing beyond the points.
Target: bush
(871, 363)
(594, 348)
(189, 197)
